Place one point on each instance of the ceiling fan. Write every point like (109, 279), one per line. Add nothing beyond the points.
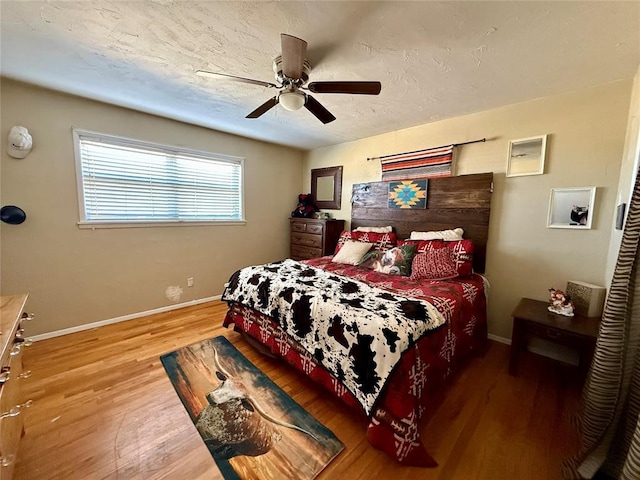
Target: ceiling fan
(292, 72)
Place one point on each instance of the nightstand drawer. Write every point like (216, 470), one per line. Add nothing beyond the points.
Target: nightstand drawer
(553, 334)
(300, 252)
(306, 239)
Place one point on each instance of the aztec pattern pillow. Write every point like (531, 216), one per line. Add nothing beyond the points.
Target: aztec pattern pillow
(461, 252)
(381, 241)
(395, 261)
(435, 265)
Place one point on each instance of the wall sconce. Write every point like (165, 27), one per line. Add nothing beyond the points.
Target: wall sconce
(20, 142)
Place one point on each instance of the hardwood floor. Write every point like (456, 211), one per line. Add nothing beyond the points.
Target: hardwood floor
(105, 409)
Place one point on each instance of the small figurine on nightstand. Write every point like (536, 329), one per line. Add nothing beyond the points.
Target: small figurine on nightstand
(560, 303)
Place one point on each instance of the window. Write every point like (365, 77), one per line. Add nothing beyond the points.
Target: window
(125, 182)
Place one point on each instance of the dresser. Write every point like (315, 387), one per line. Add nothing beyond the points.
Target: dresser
(312, 238)
(11, 409)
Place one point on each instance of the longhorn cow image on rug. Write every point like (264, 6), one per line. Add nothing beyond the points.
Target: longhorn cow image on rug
(252, 428)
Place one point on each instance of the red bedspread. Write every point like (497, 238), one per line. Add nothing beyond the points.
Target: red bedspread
(393, 426)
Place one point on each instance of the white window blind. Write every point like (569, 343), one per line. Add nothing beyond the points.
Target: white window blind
(128, 181)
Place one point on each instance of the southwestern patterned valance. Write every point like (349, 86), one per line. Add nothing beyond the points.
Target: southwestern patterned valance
(427, 163)
(430, 163)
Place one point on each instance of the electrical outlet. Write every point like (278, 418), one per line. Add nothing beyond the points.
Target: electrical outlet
(190, 282)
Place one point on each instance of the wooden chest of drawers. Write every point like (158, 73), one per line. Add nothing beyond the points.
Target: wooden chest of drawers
(312, 238)
(11, 408)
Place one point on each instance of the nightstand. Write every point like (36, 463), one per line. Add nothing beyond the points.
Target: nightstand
(532, 319)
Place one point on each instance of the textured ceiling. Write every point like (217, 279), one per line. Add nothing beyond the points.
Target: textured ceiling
(435, 59)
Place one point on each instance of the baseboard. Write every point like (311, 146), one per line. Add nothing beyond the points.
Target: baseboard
(562, 356)
(124, 318)
(496, 338)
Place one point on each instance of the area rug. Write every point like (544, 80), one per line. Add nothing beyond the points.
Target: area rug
(252, 428)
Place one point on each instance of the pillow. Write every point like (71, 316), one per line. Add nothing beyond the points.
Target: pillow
(351, 252)
(395, 261)
(388, 229)
(435, 265)
(461, 251)
(382, 241)
(449, 235)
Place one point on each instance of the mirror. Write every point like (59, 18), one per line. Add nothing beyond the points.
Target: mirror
(526, 156)
(326, 187)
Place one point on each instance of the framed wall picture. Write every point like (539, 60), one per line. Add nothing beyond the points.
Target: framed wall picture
(526, 156)
(571, 207)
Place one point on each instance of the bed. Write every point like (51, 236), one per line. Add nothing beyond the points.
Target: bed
(416, 332)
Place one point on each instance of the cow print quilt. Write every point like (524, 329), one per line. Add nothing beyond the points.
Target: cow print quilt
(356, 331)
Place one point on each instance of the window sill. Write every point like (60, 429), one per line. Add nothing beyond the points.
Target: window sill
(165, 223)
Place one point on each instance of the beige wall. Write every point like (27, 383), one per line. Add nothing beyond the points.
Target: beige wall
(79, 276)
(630, 159)
(586, 136)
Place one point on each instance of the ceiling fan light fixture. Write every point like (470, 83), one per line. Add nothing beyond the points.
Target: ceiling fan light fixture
(292, 71)
(292, 100)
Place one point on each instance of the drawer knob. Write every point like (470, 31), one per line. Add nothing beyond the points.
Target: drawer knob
(16, 409)
(7, 460)
(19, 343)
(26, 342)
(28, 316)
(5, 375)
(25, 374)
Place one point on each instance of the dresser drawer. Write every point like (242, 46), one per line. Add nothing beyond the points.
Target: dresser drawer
(300, 252)
(306, 239)
(312, 238)
(305, 227)
(315, 228)
(298, 227)
(11, 425)
(12, 410)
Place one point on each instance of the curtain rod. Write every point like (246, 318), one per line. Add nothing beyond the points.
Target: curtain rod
(422, 150)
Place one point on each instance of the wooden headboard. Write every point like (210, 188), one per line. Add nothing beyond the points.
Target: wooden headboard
(463, 201)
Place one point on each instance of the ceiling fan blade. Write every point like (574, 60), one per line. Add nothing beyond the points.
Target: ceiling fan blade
(318, 110)
(204, 73)
(358, 88)
(266, 106)
(293, 51)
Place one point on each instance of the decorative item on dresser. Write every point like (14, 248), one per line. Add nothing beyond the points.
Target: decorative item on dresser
(312, 238)
(11, 346)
